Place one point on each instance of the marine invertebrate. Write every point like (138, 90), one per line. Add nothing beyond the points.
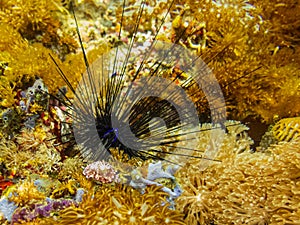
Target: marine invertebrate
(257, 183)
(194, 201)
(37, 94)
(29, 213)
(70, 168)
(246, 187)
(39, 21)
(7, 208)
(287, 129)
(29, 152)
(26, 62)
(199, 187)
(11, 119)
(155, 174)
(234, 61)
(44, 184)
(26, 193)
(65, 189)
(28, 104)
(101, 171)
(227, 26)
(120, 205)
(99, 125)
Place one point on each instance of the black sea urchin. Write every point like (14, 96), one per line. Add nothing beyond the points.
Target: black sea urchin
(140, 98)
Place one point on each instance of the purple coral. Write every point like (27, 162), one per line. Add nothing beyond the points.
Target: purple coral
(29, 213)
(101, 171)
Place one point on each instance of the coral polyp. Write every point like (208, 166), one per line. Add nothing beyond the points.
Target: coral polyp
(287, 129)
(121, 205)
(101, 171)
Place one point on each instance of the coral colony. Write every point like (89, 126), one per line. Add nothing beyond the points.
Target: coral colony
(252, 48)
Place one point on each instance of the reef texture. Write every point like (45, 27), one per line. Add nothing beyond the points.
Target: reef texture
(252, 188)
(246, 188)
(252, 48)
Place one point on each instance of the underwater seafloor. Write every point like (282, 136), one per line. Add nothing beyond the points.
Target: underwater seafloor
(253, 50)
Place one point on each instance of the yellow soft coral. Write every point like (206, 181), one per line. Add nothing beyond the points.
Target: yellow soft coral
(24, 15)
(253, 52)
(36, 20)
(248, 188)
(27, 153)
(287, 129)
(194, 201)
(26, 193)
(120, 205)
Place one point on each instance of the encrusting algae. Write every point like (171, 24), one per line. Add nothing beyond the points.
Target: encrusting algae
(252, 48)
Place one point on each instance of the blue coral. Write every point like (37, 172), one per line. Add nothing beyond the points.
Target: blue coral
(79, 194)
(7, 208)
(157, 171)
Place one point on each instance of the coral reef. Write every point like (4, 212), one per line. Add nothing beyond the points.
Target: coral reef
(32, 155)
(254, 53)
(247, 46)
(138, 178)
(25, 193)
(247, 188)
(38, 21)
(252, 48)
(247, 38)
(121, 205)
(26, 63)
